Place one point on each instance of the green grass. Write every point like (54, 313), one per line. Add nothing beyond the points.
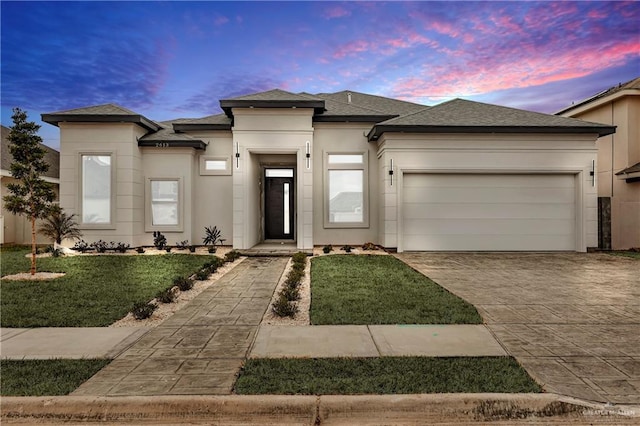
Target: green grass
(387, 375)
(95, 292)
(380, 290)
(46, 377)
(627, 253)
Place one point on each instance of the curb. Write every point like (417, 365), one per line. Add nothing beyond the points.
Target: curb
(315, 410)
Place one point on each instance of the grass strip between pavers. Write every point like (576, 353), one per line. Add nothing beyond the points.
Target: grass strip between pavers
(47, 377)
(95, 292)
(370, 289)
(385, 375)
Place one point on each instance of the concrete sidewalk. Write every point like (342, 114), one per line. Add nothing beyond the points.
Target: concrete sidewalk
(67, 342)
(324, 341)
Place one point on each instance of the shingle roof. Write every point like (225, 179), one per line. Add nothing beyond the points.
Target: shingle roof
(336, 110)
(379, 104)
(100, 113)
(211, 122)
(629, 85)
(167, 135)
(463, 116)
(272, 99)
(52, 157)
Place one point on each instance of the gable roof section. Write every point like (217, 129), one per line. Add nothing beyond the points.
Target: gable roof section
(630, 173)
(52, 157)
(107, 113)
(272, 99)
(630, 87)
(379, 104)
(463, 116)
(339, 109)
(167, 137)
(211, 122)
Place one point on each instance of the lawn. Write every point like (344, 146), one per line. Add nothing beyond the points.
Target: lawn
(366, 289)
(95, 292)
(46, 377)
(627, 253)
(387, 375)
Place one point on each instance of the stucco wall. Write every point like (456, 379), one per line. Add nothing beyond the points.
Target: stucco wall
(482, 153)
(120, 139)
(344, 138)
(615, 153)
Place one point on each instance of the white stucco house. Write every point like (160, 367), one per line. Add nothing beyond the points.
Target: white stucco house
(334, 168)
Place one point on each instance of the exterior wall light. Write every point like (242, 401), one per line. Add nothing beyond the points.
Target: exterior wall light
(308, 154)
(391, 172)
(237, 155)
(592, 173)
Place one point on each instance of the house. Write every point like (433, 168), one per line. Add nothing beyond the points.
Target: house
(334, 168)
(618, 177)
(16, 229)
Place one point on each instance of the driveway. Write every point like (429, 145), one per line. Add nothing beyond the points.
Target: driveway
(571, 319)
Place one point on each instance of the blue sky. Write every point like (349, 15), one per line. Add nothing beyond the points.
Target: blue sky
(177, 59)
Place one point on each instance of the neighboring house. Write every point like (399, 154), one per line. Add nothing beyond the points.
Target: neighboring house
(460, 175)
(16, 229)
(618, 167)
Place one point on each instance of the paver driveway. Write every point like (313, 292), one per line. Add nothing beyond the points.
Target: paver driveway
(571, 319)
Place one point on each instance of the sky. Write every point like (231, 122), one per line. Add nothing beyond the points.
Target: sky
(172, 59)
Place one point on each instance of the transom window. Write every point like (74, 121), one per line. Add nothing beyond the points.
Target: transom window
(346, 190)
(215, 165)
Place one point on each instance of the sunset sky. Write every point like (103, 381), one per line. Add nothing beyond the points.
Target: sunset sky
(177, 59)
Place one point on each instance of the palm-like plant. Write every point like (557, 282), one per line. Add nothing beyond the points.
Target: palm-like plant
(59, 226)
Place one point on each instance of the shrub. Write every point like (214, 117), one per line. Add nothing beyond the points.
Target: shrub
(159, 240)
(294, 276)
(369, 246)
(327, 249)
(59, 226)
(202, 274)
(140, 250)
(231, 256)
(100, 246)
(183, 283)
(284, 308)
(82, 246)
(142, 310)
(166, 296)
(299, 257)
(182, 245)
(192, 249)
(212, 236)
(347, 248)
(122, 247)
(56, 253)
(167, 249)
(213, 265)
(291, 292)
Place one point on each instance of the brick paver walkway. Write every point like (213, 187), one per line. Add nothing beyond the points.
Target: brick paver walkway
(200, 349)
(571, 319)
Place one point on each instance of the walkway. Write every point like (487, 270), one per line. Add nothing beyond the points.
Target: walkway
(200, 349)
(571, 319)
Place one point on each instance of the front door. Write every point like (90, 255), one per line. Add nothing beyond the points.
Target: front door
(278, 204)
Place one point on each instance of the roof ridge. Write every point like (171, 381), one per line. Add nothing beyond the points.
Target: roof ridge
(357, 106)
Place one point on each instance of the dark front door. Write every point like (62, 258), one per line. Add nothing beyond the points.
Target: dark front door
(278, 204)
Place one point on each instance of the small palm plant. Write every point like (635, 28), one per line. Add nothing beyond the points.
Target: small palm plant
(212, 237)
(60, 226)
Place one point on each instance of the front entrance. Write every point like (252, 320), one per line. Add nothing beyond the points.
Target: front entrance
(278, 204)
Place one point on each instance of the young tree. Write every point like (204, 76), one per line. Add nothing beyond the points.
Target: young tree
(31, 196)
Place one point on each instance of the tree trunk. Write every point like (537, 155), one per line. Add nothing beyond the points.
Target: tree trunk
(33, 245)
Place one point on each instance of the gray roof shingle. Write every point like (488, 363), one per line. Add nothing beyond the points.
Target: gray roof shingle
(379, 104)
(52, 157)
(100, 114)
(633, 169)
(461, 116)
(272, 99)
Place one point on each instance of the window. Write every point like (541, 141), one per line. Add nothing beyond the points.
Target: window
(164, 201)
(214, 166)
(346, 194)
(96, 197)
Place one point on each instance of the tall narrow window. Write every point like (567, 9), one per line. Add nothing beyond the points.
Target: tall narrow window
(96, 189)
(346, 190)
(164, 202)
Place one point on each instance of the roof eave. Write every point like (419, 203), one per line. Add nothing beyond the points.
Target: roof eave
(190, 127)
(352, 118)
(377, 131)
(228, 104)
(56, 119)
(168, 143)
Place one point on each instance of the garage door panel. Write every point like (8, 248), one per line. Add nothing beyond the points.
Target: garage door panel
(491, 227)
(479, 243)
(454, 194)
(488, 212)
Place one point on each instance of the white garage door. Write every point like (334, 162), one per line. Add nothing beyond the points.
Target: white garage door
(492, 212)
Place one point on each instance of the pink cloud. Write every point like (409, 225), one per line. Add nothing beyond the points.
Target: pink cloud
(220, 20)
(596, 14)
(336, 12)
(526, 70)
(352, 48)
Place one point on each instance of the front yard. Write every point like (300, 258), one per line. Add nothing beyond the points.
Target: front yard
(95, 292)
(349, 289)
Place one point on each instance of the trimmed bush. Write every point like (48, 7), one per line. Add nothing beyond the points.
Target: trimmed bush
(183, 283)
(231, 256)
(327, 249)
(166, 296)
(202, 274)
(283, 308)
(299, 257)
(143, 310)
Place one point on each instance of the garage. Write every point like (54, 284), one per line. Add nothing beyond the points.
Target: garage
(488, 212)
